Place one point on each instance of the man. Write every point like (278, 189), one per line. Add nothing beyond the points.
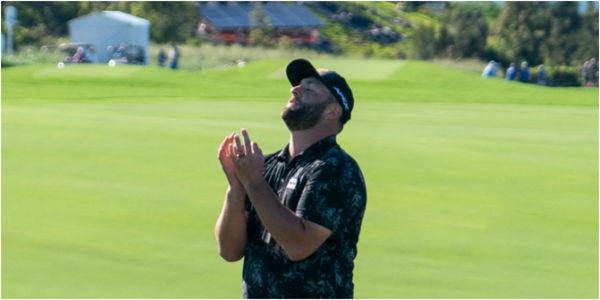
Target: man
(585, 73)
(511, 72)
(162, 57)
(173, 56)
(542, 75)
(295, 215)
(593, 72)
(489, 70)
(524, 72)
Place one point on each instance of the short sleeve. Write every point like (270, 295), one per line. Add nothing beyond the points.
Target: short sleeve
(333, 196)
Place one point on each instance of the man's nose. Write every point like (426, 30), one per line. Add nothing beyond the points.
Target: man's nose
(296, 90)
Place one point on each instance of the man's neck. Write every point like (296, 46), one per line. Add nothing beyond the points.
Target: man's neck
(302, 139)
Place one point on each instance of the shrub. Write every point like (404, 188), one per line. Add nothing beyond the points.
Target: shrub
(285, 42)
(562, 76)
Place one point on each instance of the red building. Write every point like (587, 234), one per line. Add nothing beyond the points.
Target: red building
(231, 21)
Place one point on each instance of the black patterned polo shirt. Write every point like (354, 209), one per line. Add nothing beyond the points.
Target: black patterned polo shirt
(323, 185)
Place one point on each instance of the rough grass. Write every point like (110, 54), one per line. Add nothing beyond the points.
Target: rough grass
(208, 56)
(477, 188)
(31, 55)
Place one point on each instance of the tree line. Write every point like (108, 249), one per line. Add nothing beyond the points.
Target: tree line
(41, 22)
(537, 32)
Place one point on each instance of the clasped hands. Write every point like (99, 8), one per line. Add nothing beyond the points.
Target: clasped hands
(242, 163)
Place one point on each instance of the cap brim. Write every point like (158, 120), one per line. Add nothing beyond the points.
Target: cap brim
(299, 69)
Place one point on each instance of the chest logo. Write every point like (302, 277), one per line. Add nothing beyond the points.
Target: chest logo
(292, 183)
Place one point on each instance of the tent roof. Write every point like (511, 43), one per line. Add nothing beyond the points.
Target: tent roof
(117, 16)
(237, 15)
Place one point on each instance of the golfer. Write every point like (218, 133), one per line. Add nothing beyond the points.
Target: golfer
(295, 215)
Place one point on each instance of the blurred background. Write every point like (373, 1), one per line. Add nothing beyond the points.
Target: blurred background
(560, 35)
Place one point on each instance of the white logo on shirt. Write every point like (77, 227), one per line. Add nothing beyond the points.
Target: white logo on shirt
(292, 183)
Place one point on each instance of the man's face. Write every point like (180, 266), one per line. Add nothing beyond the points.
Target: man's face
(306, 105)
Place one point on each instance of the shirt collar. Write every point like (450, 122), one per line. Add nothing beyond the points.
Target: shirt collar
(312, 151)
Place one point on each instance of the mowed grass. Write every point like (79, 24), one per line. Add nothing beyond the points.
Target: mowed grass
(476, 188)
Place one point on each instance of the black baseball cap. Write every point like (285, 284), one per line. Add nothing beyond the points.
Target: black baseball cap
(300, 68)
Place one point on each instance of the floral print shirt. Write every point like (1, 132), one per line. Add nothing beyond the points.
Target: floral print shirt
(324, 185)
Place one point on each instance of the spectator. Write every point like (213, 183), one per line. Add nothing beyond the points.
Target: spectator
(490, 70)
(585, 73)
(593, 70)
(541, 73)
(511, 72)
(524, 72)
(79, 56)
(162, 57)
(173, 56)
(120, 53)
(90, 55)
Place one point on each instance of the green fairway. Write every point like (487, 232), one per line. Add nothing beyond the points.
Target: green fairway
(476, 188)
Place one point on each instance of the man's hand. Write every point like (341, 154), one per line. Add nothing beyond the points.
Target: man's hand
(248, 161)
(225, 158)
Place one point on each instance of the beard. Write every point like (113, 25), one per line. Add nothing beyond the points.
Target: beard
(303, 116)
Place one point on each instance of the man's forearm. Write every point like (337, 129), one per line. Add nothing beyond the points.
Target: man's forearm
(230, 229)
(298, 238)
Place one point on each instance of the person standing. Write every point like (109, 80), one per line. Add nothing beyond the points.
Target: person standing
(173, 56)
(585, 73)
(524, 72)
(511, 72)
(162, 57)
(593, 73)
(541, 73)
(295, 215)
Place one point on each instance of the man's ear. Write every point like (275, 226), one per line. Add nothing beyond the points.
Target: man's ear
(333, 111)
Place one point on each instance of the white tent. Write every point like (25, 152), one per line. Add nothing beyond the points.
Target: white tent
(111, 28)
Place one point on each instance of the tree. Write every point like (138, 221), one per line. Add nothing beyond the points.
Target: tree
(469, 31)
(424, 42)
(522, 27)
(588, 36)
(442, 41)
(412, 6)
(560, 45)
(262, 31)
(37, 21)
(171, 21)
